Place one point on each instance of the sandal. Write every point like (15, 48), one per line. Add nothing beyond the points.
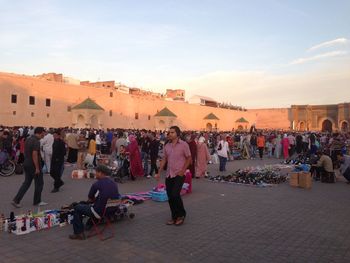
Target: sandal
(180, 221)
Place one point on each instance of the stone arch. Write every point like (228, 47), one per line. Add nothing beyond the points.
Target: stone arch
(301, 126)
(327, 126)
(94, 122)
(321, 121)
(240, 128)
(162, 125)
(344, 126)
(209, 126)
(81, 121)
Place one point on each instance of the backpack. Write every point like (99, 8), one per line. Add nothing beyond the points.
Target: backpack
(19, 169)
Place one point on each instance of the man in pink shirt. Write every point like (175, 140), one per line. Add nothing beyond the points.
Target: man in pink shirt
(177, 156)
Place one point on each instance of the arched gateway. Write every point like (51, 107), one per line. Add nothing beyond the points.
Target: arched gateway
(344, 126)
(327, 126)
(209, 126)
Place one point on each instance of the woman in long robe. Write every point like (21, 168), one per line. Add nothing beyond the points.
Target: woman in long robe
(278, 146)
(135, 157)
(285, 146)
(193, 149)
(203, 157)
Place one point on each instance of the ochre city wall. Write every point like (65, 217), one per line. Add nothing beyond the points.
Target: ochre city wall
(123, 107)
(272, 118)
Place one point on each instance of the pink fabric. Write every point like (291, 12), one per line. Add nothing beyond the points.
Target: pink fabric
(285, 147)
(188, 180)
(135, 158)
(202, 159)
(21, 145)
(176, 156)
(132, 138)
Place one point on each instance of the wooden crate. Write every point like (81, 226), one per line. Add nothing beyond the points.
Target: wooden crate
(294, 179)
(305, 180)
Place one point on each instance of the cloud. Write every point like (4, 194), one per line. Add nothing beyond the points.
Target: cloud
(338, 41)
(317, 57)
(264, 89)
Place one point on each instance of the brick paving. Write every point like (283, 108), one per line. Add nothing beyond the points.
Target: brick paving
(225, 223)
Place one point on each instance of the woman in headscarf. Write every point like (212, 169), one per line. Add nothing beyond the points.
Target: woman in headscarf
(278, 146)
(285, 146)
(190, 138)
(135, 157)
(92, 147)
(203, 157)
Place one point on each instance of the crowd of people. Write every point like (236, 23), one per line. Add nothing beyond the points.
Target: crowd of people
(148, 153)
(141, 149)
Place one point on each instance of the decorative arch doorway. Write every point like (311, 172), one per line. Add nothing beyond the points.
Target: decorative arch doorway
(94, 122)
(327, 126)
(344, 126)
(302, 126)
(209, 126)
(81, 121)
(162, 125)
(240, 128)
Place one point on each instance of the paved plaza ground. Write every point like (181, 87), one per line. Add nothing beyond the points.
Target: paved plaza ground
(225, 223)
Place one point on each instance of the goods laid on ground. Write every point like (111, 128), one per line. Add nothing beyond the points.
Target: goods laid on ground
(157, 193)
(258, 176)
(83, 174)
(104, 159)
(298, 159)
(30, 222)
(90, 171)
(302, 168)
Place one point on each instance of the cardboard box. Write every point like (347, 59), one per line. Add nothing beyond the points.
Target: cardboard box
(305, 180)
(294, 179)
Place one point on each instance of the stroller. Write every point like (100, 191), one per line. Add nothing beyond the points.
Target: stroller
(237, 155)
(122, 171)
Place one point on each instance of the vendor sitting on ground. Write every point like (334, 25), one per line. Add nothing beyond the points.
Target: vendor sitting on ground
(99, 193)
(323, 167)
(344, 169)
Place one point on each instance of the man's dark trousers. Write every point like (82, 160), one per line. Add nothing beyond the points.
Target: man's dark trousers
(154, 167)
(39, 185)
(56, 172)
(81, 210)
(173, 189)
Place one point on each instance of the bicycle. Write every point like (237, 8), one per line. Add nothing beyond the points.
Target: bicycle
(7, 166)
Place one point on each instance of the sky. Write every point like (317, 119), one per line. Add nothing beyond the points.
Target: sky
(251, 53)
